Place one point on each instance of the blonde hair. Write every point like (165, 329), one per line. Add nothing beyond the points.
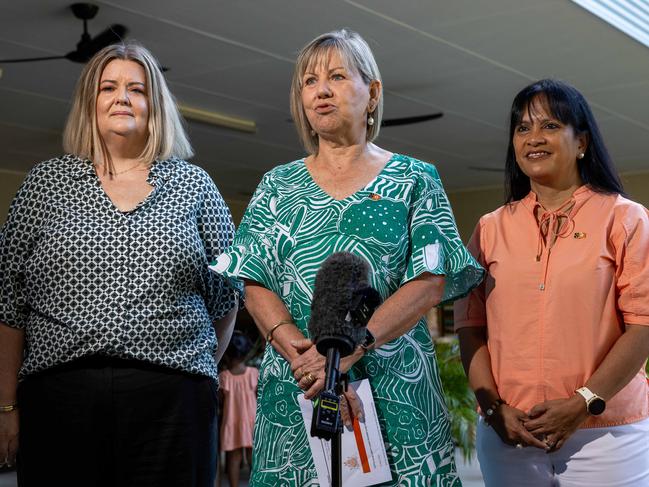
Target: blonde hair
(167, 137)
(356, 54)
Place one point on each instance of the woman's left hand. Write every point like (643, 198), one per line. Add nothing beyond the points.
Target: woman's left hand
(308, 368)
(555, 421)
(351, 407)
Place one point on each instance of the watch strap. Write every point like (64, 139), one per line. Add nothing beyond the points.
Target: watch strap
(369, 341)
(586, 393)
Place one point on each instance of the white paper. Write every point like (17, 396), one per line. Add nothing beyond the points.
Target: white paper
(355, 472)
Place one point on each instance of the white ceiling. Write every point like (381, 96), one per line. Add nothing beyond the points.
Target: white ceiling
(467, 58)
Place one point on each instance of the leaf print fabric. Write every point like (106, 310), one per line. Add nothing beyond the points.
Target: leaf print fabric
(402, 224)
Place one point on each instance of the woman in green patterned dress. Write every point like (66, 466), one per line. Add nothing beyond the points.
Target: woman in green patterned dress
(349, 195)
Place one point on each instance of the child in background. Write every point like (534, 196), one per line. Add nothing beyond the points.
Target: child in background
(239, 394)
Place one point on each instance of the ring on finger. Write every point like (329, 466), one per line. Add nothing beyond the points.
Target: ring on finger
(309, 378)
(519, 445)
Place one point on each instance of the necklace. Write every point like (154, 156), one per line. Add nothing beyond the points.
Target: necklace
(117, 173)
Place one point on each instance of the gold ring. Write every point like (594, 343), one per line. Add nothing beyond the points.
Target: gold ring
(309, 377)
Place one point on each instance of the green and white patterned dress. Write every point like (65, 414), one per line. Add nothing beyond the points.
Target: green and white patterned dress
(402, 224)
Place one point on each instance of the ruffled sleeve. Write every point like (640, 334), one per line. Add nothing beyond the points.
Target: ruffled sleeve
(253, 253)
(435, 245)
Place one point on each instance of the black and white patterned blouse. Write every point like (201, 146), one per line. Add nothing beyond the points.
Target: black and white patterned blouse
(83, 278)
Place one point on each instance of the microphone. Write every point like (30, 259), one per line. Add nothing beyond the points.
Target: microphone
(343, 303)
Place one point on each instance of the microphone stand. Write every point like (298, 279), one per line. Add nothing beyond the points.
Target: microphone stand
(340, 385)
(326, 422)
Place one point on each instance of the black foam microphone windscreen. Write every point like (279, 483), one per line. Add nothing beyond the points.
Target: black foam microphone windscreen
(343, 302)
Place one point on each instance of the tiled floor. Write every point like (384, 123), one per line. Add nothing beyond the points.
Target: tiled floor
(469, 473)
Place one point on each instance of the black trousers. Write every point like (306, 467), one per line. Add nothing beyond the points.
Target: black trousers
(110, 423)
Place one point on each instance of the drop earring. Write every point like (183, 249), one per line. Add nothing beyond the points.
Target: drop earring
(370, 120)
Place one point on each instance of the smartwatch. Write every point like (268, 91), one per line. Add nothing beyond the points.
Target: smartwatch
(368, 342)
(595, 405)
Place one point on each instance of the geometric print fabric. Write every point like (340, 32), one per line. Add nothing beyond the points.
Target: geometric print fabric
(83, 278)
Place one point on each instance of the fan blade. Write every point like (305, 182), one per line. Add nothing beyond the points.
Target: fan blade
(486, 168)
(88, 48)
(29, 59)
(392, 122)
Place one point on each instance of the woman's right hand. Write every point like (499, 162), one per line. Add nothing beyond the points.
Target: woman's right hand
(8, 438)
(308, 368)
(507, 422)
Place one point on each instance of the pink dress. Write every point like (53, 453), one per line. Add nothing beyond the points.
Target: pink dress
(239, 406)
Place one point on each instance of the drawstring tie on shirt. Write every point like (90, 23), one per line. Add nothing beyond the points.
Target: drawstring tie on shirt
(552, 225)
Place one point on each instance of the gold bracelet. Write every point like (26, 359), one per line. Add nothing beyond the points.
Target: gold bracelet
(269, 335)
(9, 408)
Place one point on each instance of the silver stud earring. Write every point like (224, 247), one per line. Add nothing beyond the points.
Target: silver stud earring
(370, 120)
(580, 155)
(312, 133)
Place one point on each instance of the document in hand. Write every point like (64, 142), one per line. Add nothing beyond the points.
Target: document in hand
(364, 460)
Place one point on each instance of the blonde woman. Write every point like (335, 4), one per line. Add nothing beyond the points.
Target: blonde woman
(349, 195)
(110, 319)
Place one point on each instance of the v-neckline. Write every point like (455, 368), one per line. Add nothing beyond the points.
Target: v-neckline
(364, 188)
(116, 208)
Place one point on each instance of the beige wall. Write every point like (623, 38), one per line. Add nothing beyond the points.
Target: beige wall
(468, 205)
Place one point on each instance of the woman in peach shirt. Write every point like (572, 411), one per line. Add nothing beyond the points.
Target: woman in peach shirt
(555, 340)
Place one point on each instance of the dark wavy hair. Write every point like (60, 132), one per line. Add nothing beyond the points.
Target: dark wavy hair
(240, 346)
(568, 106)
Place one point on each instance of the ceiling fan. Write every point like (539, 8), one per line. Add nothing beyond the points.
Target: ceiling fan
(87, 46)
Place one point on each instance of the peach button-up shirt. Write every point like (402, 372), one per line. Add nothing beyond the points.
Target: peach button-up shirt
(553, 312)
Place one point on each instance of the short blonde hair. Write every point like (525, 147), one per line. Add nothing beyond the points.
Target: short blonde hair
(167, 136)
(356, 54)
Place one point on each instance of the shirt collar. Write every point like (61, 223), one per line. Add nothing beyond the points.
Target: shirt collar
(161, 170)
(580, 196)
(80, 167)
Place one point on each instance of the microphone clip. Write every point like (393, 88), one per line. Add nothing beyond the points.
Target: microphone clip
(326, 420)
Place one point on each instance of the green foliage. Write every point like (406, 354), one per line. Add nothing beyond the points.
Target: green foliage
(459, 397)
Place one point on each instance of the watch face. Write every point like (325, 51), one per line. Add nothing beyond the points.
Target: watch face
(596, 406)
